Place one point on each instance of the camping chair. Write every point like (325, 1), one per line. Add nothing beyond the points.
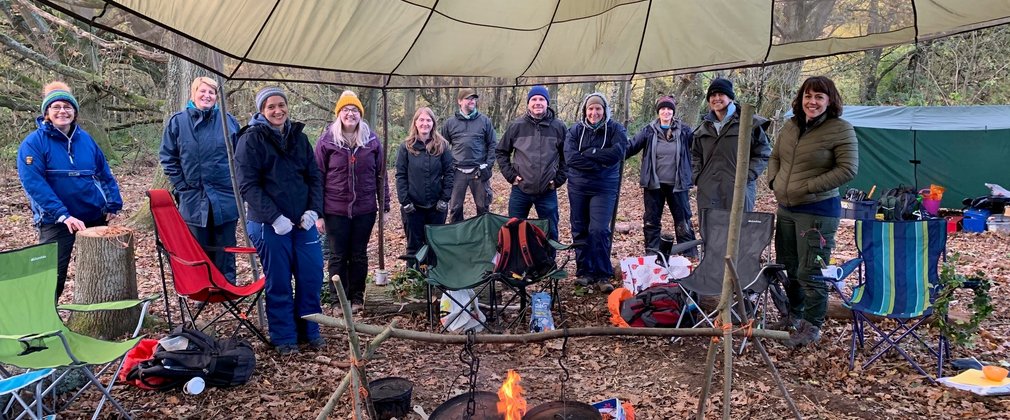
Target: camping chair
(194, 275)
(461, 256)
(897, 280)
(33, 336)
(754, 275)
(12, 387)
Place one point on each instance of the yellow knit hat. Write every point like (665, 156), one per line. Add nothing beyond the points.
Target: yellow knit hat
(348, 98)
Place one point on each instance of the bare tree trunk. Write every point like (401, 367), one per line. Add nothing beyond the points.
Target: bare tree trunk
(871, 59)
(106, 272)
(409, 107)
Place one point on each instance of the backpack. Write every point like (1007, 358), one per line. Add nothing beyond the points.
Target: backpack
(658, 306)
(899, 203)
(224, 363)
(523, 252)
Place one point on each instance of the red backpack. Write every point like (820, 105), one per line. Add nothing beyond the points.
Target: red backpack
(658, 306)
(523, 252)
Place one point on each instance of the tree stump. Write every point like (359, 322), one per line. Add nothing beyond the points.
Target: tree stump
(106, 271)
(377, 302)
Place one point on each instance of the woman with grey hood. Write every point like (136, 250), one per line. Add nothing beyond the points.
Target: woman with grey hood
(665, 144)
(594, 150)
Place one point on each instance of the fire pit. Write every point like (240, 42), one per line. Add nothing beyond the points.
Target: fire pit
(455, 409)
(563, 410)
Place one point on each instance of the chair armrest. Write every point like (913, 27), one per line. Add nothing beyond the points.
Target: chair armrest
(558, 245)
(27, 340)
(678, 248)
(240, 249)
(422, 254)
(30, 337)
(108, 306)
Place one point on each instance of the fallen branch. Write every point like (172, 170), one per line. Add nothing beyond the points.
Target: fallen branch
(543, 336)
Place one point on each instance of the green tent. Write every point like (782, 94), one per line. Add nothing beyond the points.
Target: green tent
(960, 148)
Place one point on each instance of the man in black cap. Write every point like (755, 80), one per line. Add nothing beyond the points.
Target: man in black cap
(473, 142)
(713, 154)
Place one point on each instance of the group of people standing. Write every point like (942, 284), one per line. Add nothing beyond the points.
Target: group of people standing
(293, 191)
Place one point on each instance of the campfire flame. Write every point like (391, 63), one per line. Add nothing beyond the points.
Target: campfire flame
(510, 397)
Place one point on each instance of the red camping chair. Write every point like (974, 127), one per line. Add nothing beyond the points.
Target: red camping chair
(194, 275)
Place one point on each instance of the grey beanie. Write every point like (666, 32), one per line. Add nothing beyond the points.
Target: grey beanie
(267, 92)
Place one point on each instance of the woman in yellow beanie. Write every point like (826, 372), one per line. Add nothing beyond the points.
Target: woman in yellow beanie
(351, 159)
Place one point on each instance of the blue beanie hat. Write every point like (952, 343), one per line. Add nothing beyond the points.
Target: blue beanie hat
(539, 90)
(267, 92)
(58, 91)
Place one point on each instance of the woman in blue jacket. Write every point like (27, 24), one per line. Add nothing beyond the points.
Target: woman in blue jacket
(65, 176)
(195, 160)
(594, 149)
(283, 190)
(424, 178)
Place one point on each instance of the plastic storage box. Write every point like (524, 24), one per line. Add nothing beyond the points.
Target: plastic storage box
(999, 224)
(859, 210)
(974, 220)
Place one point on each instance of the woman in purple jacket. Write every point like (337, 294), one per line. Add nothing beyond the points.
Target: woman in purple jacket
(351, 159)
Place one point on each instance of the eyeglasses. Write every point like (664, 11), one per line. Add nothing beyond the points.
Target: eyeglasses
(350, 109)
(59, 108)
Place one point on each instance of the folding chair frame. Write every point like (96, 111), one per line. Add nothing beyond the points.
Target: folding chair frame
(32, 378)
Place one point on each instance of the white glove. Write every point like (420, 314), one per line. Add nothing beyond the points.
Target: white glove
(308, 219)
(282, 225)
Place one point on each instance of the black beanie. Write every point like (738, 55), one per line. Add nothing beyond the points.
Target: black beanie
(723, 86)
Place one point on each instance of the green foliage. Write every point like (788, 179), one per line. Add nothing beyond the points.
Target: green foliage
(407, 285)
(961, 334)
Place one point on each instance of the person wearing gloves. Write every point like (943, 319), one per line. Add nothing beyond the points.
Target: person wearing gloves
(713, 155)
(531, 158)
(65, 176)
(195, 160)
(424, 176)
(352, 161)
(283, 190)
(472, 138)
(594, 150)
(665, 177)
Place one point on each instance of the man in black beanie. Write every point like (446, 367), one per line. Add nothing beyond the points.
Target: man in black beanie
(713, 154)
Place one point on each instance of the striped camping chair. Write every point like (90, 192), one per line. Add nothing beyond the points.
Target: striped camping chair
(899, 282)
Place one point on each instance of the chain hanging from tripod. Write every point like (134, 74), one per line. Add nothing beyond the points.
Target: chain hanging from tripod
(469, 358)
(561, 363)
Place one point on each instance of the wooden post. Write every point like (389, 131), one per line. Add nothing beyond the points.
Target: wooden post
(106, 271)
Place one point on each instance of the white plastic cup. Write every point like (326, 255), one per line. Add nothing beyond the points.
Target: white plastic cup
(175, 343)
(194, 386)
(381, 277)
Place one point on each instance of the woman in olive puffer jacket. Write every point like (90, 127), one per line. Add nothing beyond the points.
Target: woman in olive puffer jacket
(816, 152)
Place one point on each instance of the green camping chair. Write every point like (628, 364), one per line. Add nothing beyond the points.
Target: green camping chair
(460, 256)
(33, 336)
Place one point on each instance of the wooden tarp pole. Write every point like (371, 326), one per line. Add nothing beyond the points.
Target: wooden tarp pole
(728, 282)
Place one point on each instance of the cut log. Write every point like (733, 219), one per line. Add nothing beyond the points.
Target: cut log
(106, 271)
(836, 310)
(379, 302)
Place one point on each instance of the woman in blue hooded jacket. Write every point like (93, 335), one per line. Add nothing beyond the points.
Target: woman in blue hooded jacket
(65, 176)
(195, 160)
(594, 150)
(283, 190)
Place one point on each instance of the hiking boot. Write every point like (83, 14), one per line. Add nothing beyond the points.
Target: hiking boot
(317, 343)
(357, 306)
(604, 285)
(806, 333)
(584, 281)
(287, 349)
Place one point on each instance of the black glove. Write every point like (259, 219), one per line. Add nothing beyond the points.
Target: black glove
(484, 172)
(442, 206)
(409, 208)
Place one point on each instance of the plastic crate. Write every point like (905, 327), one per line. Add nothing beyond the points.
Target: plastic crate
(974, 220)
(859, 210)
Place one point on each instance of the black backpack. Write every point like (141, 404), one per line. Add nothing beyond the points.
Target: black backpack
(224, 363)
(523, 252)
(899, 204)
(658, 306)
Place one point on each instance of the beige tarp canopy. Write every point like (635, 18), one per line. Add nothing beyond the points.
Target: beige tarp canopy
(410, 43)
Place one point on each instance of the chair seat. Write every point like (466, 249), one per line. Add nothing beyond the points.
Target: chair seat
(89, 350)
(17, 382)
(229, 292)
